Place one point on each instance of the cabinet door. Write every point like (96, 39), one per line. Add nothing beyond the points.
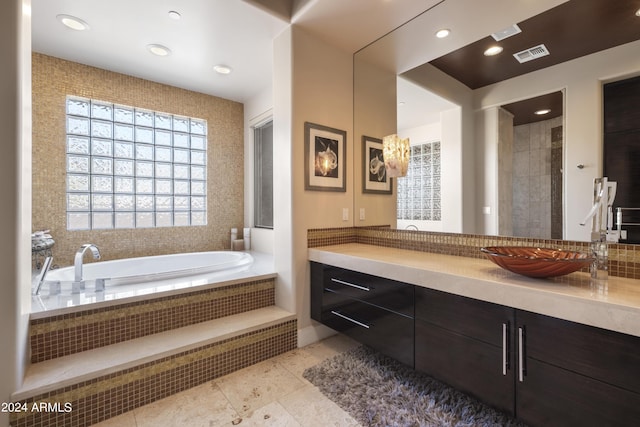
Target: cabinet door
(551, 396)
(467, 364)
(468, 344)
(573, 374)
(604, 355)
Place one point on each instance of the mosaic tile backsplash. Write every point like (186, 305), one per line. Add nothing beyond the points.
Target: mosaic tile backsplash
(53, 80)
(624, 260)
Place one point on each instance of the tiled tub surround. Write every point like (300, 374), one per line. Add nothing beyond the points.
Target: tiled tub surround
(65, 324)
(108, 356)
(613, 305)
(624, 260)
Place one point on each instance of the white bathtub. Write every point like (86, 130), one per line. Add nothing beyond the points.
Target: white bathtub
(147, 278)
(150, 269)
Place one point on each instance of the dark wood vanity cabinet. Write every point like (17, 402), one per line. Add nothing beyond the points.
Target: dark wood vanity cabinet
(543, 370)
(573, 374)
(466, 343)
(372, 310)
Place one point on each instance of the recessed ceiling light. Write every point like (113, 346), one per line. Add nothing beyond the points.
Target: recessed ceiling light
(222, 69)
(493, 50)
(159, 50)
(638, 12)
(443, 33)
(401, 104)
(543, 112)
(174, 15)
(73, 22)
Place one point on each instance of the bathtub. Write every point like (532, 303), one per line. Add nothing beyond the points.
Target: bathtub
(147, 278)
(148, 269)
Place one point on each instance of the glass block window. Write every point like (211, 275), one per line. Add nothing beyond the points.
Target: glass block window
(419, 191)
(133, 168)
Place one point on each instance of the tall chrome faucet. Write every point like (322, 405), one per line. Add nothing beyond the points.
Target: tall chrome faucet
(78, 262)
(604, 193)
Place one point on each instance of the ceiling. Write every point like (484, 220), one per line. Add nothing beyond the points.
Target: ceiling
(525, 111)
(235, 33)
(573, 29)
(240, 33)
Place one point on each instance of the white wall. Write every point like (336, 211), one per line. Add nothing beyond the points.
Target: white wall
(486, 134)
(375, 106)
(582, 79)
(458, 136)
(15, 174)
(313, 83)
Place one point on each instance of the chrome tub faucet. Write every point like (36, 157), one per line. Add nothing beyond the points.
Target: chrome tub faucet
(78, 282)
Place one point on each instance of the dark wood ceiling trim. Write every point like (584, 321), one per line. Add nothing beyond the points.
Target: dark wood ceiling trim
(524, 111)
(571, 30)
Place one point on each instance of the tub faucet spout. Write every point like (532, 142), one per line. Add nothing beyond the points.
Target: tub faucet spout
(78, 260)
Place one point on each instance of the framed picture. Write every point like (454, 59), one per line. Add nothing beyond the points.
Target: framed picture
(325, 158)
(374, 174)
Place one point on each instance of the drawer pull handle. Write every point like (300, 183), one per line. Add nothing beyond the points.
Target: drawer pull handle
(342, 282)
(505, 360)
(364, 325)
(521, 370)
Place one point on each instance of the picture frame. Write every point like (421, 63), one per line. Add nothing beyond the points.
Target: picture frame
(325, 157)
(374, 174)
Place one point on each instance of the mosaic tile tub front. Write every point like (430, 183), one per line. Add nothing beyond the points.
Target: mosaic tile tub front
(66, 334)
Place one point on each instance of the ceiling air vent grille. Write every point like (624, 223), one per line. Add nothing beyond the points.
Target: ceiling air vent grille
(531, 53)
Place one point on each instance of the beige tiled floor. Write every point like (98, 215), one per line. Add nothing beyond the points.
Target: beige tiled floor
(270, 393)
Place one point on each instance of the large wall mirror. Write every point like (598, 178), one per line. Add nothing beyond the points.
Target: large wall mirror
(484, 162)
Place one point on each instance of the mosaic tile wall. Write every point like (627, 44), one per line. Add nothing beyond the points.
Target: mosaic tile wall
(53, 80)
(624, 260)
(111, 395)
(66, 334)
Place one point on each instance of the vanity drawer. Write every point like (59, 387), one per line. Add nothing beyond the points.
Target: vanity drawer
(385, 293)
(388, 332)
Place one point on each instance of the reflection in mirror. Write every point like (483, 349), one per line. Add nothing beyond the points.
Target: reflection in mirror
(421, 117)
(475, 190)
(530, 136)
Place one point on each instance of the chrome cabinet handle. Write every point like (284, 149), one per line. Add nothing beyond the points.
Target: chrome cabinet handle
(364, 325)
(521, 354)
(505, 342)
(342, 282)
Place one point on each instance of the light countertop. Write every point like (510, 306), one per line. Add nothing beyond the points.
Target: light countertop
(613, 305)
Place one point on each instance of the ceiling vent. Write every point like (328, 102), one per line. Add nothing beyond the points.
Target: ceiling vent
(507, 32)
(531, 53)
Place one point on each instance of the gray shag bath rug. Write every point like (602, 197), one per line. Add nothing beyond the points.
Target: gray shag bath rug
(379, 391)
